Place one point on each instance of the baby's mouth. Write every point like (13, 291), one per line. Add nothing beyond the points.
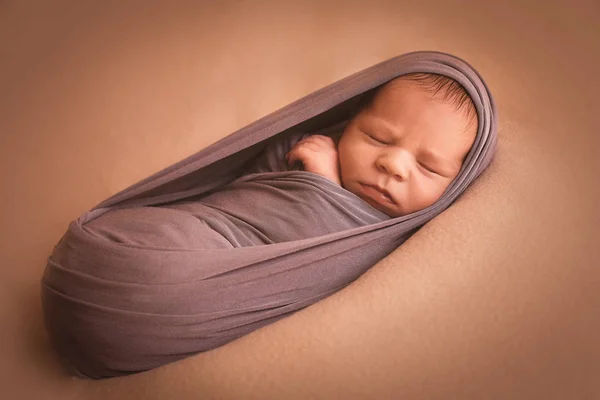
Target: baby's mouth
(380, 195)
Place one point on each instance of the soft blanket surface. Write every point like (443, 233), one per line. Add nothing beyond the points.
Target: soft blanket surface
(211, 249)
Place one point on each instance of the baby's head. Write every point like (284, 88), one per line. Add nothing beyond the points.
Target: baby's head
(408, 142)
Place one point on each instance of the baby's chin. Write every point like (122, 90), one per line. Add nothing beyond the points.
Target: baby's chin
(391, 210)
(389, 213)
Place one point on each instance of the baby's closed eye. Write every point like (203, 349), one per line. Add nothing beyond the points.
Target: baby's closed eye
(429, 168)
(375, 138)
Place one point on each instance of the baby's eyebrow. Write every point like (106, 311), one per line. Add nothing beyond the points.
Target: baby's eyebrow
(440, 160)
(376, 123)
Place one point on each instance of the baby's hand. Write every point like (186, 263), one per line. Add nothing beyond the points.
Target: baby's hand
(319, 155)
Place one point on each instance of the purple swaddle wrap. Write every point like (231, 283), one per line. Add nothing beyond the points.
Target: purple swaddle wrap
(199, 254)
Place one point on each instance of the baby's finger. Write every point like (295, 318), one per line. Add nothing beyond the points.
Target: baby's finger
(308, 145)
(302, 153)
(314, 139)
(294, 155)
(305, 141)
(322, 139)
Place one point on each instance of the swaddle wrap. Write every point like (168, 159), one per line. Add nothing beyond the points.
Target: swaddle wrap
(174, 265)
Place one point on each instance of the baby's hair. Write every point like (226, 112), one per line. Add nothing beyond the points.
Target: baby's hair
(437, 85)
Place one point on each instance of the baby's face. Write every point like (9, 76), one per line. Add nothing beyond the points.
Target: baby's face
(406, 144)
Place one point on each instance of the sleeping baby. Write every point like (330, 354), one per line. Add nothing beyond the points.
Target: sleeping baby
(312, 212)
(213, 253)
(401, 150)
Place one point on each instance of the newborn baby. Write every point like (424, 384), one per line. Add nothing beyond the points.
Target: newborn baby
(216, 254)
(402, 149)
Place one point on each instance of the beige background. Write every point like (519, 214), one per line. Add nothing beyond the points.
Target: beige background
(97, 95)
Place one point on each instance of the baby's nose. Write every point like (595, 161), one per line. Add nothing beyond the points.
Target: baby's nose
(396, 163)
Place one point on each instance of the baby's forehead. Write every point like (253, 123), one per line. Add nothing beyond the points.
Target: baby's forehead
(430, 87)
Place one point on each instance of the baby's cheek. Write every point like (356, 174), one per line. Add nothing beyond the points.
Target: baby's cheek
(351, 152)
(342, 158)
(432, 195)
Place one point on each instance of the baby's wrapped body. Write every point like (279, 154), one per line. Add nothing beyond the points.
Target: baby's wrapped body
(154, 284)
(228, 240)
(271, 203)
